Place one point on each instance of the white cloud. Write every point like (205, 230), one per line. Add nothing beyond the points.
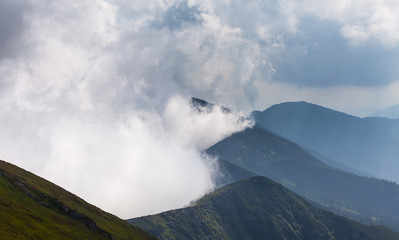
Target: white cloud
(137, 164)
(95, 107)
(360, 20)
(193, 129)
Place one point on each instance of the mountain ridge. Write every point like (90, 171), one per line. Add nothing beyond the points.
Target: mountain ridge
(365, 144)
(365, 199)
(391, 112)
(256, 208)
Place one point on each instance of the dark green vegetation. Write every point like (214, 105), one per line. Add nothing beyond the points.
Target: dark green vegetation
(256, 208)
(365, 199)
(33, 208)
(365, 144)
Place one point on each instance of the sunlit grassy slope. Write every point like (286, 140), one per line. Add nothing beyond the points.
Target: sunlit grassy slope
(33, 208)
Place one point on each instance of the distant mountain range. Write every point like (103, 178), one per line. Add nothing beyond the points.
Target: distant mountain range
(256, 208)
(33, 208)
(390, 112)
(367, 145)
(364, 199)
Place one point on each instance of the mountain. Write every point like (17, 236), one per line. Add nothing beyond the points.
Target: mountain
(202, 105)
(256, 208)
(390, 112)
(335, 164)
(229, 173)
(33, 208)
(368, 145)
(364, 199)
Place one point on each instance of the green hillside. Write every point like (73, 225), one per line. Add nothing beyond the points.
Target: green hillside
(364, 199)
(33, 208)
(256, 208)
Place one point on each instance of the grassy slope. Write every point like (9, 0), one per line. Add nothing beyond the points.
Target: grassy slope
(33, 208)
(256, 208)
(364, 199)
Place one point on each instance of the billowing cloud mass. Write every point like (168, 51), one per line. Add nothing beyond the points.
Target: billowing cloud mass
(92, 104)
(94, 94)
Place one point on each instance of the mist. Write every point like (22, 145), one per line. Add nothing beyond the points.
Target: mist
(130, 164)
(93, 105)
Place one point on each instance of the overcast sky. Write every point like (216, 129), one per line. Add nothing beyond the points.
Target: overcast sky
(94, 93)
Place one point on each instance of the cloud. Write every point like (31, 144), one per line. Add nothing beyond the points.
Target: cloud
(321, 57)
(178, 15)
(11, 26)
(97, 107)
(140, 164)
(360, 20)
(231, 45)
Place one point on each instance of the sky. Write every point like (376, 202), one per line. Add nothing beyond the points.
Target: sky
(94, 94)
